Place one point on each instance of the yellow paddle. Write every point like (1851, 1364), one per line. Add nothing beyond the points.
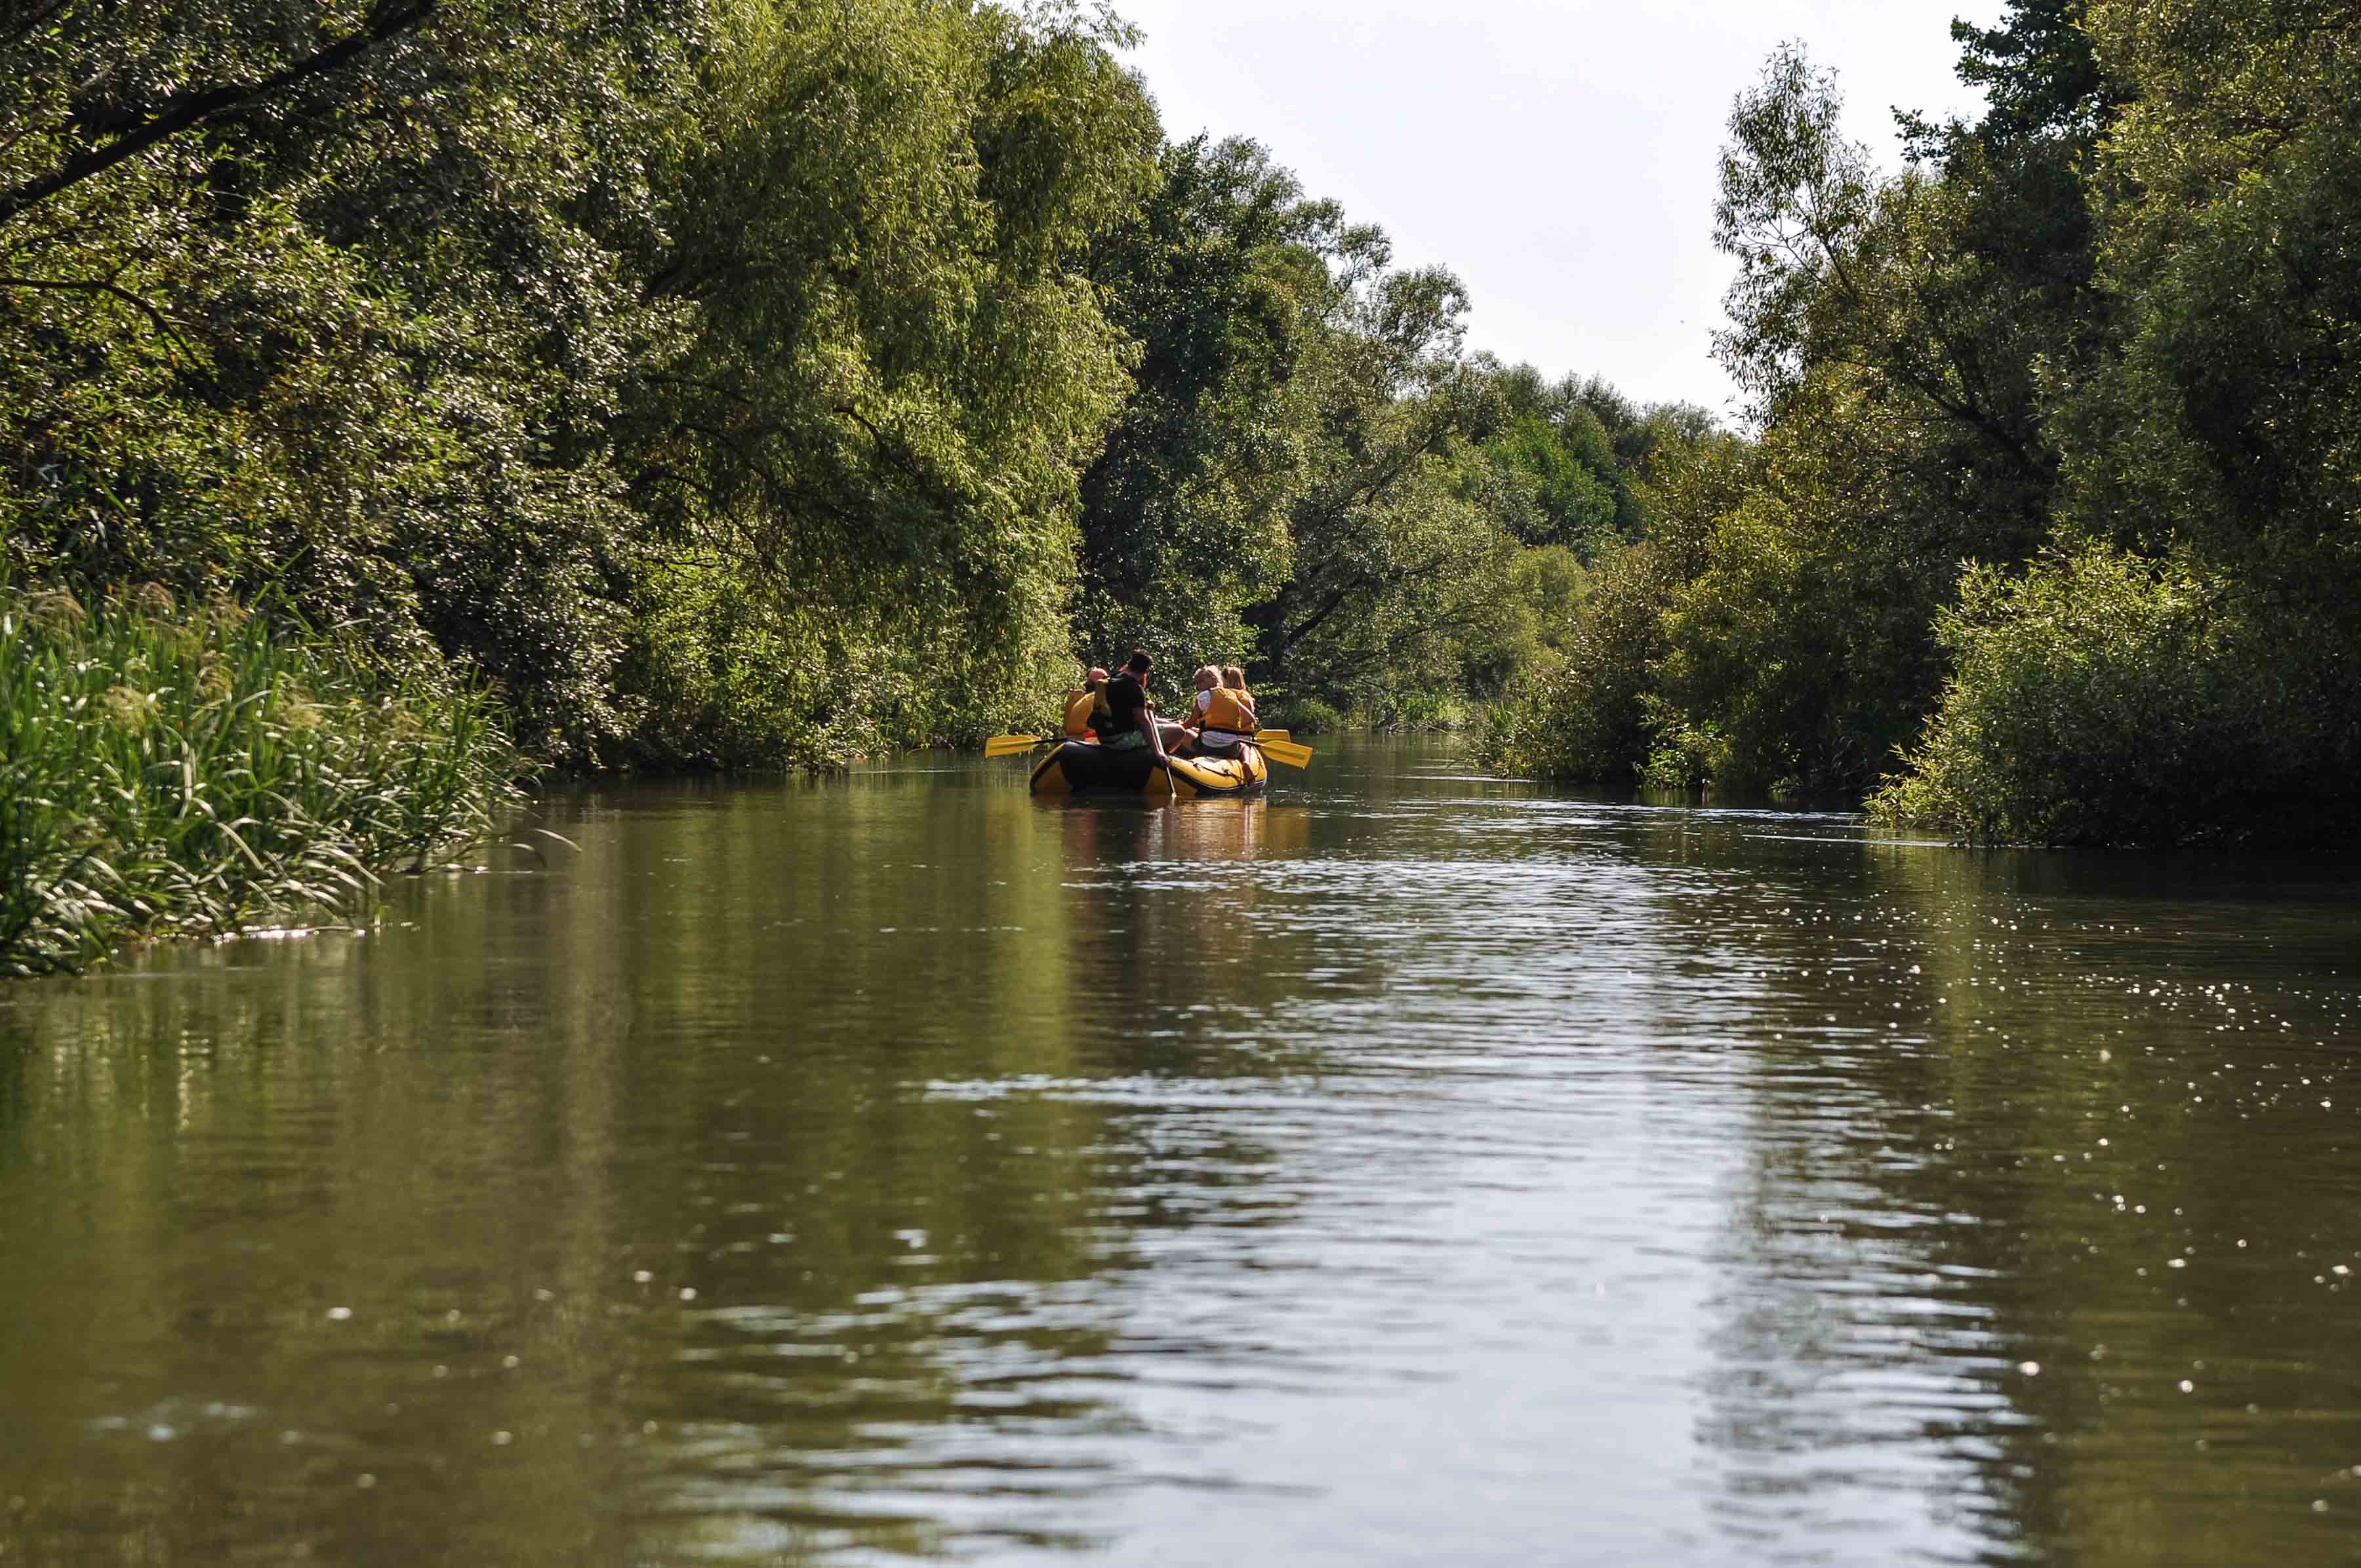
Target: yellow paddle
(1274, 744)
(1015, 745)
(1285, 752)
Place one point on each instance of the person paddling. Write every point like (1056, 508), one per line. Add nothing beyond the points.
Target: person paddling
(1128, 723)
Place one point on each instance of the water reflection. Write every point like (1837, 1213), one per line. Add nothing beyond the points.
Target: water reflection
(1404, 1167)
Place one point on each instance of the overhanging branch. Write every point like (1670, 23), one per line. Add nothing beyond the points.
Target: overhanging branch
(188, 110)
(156, 317)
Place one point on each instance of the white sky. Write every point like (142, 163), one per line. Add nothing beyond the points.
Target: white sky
(1558, 155)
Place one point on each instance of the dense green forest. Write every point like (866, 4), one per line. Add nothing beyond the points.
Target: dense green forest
(2047, 523)
(711, 383)
(743, 382)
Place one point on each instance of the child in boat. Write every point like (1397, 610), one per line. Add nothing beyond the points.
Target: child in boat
(1206, 680)
(1086, 705)
(1225, 714)
(1235, 679)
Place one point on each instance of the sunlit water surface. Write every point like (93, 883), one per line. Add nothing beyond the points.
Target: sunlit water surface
(1409, 1169)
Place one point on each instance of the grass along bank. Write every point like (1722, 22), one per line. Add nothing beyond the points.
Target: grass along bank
(170, 770)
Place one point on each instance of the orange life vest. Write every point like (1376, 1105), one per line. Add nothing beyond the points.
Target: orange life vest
(1082, 707)
(1228, 710)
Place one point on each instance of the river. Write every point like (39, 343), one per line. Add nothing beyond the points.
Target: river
(1411, 1168)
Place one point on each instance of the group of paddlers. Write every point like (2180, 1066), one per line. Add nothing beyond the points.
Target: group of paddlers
(1120, 715)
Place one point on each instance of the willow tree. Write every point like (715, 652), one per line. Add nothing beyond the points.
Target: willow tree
(860, 468)
(715, 377)
(330, 306)
(1221, 281)
(1398, 560)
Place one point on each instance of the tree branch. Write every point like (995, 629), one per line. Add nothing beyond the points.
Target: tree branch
(193, 108)
(33, 20)
(156, 317)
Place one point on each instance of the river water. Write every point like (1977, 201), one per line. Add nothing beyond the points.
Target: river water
(1409, 1169)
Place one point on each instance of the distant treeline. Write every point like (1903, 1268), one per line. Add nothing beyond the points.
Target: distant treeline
(2049, 528)
(732, 382)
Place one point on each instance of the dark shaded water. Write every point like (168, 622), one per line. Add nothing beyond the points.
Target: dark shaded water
(1410, 1168)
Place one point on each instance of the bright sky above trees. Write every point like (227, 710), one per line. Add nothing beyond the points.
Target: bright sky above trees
(1559, 155)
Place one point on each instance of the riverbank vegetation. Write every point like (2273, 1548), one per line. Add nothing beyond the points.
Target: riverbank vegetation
(2047, 525)
(761, 382)
(749, 382)
(183, 770)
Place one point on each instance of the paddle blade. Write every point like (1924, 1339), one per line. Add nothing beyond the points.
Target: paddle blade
(1272, 735)
(1010, 745)
(1287, 753)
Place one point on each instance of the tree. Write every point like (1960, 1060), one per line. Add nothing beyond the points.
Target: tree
(1567, 453)
(871, 443)
(344, 319)
(2042, 80)
(1894, 334)
(700, 373)
(1222, 281)
(2230, 418)
(2178, 667)
(1395, 559)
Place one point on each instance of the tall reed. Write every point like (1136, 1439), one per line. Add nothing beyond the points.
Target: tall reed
(179, 770)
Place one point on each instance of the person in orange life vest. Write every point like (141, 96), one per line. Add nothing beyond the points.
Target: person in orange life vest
(1086, 705)
(1175, 735)
(1204, 679)
(1226, 715)
(1235, 679)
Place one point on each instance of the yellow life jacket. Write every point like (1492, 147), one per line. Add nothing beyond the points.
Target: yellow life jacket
(1227, 710)
(1083, 708)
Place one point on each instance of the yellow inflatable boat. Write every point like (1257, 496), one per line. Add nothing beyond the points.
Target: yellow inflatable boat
(1072, 767)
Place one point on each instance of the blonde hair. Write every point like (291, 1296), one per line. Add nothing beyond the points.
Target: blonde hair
(1234, 677)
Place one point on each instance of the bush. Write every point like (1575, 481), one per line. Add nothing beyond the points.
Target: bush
(178, 772)
(1416, 712)
(1586, 720)
(2106, 698)
(1301, 716)
(1683, 756)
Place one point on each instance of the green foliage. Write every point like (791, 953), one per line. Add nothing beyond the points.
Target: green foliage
(754, 382)
(168, 770)
(1893, 334)
(1543, 599)
(1221, 280)
(1398, 553)
(2231, 416)
(350, 332)
(1311, 469)
(478, 325)
(2107, 698)
(1585, 718)
(1561, 489)
(1571, 454)
(762, 381)
(2042, 80)
(1301, 715)
(2183, 671)
(900, 368)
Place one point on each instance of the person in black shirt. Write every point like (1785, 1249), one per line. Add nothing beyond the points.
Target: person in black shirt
(1129, 721)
